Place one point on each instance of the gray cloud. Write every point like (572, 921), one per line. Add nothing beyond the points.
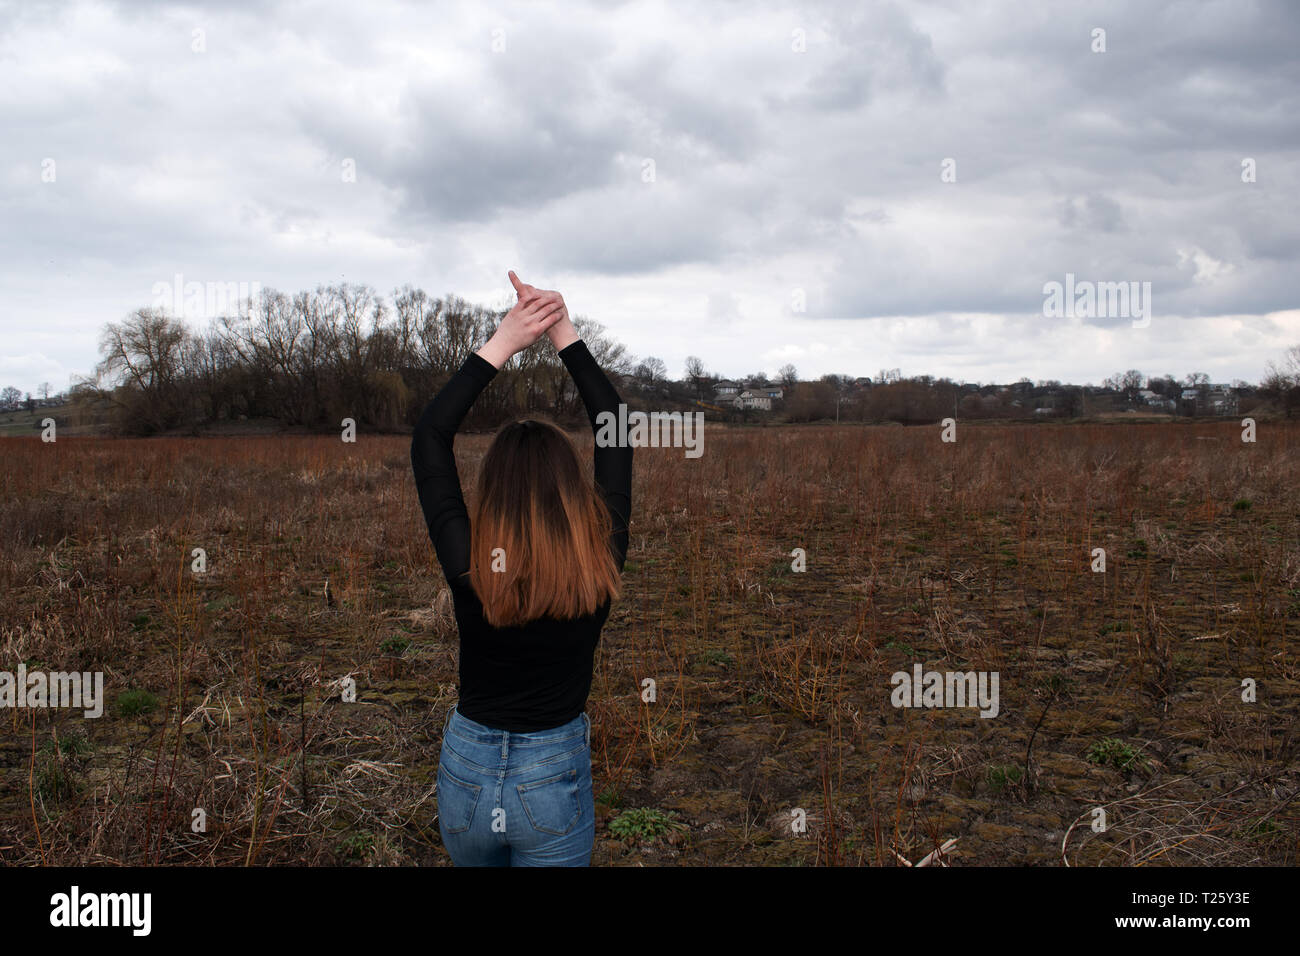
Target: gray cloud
(774, 170)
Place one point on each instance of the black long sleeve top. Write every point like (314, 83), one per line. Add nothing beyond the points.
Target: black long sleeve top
(536, 676)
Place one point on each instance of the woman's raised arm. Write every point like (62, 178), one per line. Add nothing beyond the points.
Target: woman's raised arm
(613, 463)
(436, 479)
(432, 459)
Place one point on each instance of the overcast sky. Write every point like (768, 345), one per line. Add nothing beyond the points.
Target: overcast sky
(686, 174)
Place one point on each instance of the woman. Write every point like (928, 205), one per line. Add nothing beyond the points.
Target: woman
(532, 579)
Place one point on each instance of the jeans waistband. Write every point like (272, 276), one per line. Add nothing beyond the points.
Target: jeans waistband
(470, 730)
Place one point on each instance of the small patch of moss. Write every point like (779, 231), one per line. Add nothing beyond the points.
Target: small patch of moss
(395, 646)
(136, 703)
(999, 776)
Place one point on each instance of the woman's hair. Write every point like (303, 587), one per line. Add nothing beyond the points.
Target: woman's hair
(536, 504)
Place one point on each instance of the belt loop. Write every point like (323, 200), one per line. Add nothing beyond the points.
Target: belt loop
(587, 721)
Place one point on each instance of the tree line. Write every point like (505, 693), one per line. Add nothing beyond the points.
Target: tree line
(312, 358)
(316, 357)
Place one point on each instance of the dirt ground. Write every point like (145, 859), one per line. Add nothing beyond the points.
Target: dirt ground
(1126, 690)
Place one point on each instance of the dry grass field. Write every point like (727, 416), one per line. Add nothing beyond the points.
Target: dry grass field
(1120, 690)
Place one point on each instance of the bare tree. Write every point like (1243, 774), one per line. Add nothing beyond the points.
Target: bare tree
(650, 371)
(1283, 381)
(695, 373)
(144, 356)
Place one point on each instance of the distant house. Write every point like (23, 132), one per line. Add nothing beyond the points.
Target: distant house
(1156, 400)
(752, 399)
(726, 387)
(1208, 400)
(772, 390)
(1220, 400)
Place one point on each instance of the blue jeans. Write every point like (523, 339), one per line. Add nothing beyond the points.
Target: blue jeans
(516, 799)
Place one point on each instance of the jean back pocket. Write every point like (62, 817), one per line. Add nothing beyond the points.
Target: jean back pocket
(457, 800)
(552, 804)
